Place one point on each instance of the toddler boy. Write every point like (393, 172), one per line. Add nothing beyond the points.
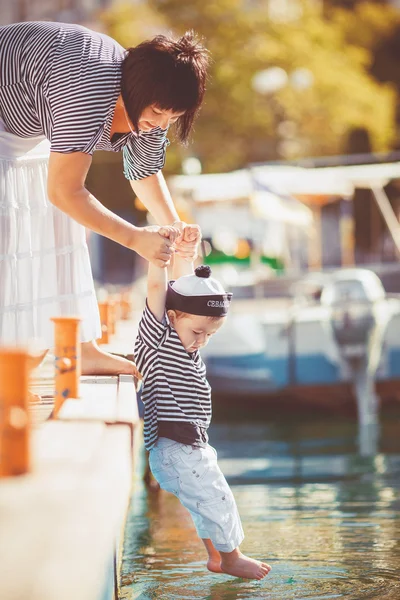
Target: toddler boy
(178, 320)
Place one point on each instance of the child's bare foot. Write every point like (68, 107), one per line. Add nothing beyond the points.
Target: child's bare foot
(237, 564)
(214, 565)
(214, 557)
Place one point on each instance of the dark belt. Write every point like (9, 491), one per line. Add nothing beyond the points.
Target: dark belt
(185, 433)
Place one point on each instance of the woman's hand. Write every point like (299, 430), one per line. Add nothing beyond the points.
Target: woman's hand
(155, 243)
(187, 246)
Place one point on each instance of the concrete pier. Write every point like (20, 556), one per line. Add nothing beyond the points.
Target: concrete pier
(62, 521)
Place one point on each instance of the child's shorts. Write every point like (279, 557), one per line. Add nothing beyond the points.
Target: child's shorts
(192, 474)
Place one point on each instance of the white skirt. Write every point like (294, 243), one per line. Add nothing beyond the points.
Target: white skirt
(44, 260)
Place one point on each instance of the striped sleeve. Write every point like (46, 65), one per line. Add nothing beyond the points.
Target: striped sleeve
(82, 90)
(151, 332)
(144, 155)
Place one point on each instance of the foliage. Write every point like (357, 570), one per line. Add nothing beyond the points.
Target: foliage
(379, 35)
(237, 125)
(130, 25)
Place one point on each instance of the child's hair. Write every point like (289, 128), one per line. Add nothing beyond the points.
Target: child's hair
(181, 315)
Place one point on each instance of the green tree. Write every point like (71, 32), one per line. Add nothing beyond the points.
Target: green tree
(237, 125)
(379, 35)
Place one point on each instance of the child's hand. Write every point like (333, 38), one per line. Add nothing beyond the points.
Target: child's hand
(187, 247)
(192, 233)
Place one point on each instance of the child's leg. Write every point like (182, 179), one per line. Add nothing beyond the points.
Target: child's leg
(192, 474)
(207, 518)
(214, 557)
(148, 477)
(237, 564)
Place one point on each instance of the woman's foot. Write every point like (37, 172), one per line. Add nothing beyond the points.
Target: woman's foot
(237, 564)
(34, 398)
(97, 362)
(35, 360)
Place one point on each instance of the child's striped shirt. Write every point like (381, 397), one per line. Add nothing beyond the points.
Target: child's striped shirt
(176, 393)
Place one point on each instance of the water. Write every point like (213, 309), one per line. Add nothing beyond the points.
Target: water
(325, 518)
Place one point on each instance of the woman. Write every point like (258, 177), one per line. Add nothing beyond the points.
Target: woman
(82, 91)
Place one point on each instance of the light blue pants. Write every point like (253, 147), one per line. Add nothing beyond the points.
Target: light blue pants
(193, 475)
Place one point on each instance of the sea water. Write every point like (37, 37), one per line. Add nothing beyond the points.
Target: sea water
(325, 518)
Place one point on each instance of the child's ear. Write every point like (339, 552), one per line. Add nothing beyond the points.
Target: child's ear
(171, 316)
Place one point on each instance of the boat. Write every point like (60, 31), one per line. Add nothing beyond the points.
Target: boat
(297, 346)
(306, 347)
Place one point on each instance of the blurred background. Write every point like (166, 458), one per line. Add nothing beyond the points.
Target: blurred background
(290, 80)
(293, 173)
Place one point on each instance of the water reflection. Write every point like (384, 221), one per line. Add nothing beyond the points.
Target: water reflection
(325, 518)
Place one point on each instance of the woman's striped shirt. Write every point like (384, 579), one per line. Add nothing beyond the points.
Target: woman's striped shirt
(62, 81)
(176, 393)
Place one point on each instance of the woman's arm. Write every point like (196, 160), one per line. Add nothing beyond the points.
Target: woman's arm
(66, 190)
(154, 194)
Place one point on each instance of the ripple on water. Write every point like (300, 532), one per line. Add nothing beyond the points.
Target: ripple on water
(323, 540)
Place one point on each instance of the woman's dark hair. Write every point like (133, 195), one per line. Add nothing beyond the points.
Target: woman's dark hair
(168, 73)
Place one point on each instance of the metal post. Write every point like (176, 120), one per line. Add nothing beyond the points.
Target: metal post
(388, 214)
(367, 406)
(291, 332)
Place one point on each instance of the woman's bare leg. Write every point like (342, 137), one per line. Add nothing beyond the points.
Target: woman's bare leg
(94, 362)
(34, 361)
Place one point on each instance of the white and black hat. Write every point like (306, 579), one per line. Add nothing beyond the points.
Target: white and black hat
(198, 294)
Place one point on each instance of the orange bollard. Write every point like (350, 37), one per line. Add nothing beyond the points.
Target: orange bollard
(112, 314)
(67, 351)
(126, 306)
(118, 300)
(14, 413)
(104, 310)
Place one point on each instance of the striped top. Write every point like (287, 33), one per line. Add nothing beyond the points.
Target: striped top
(63, 81)
(175, 388)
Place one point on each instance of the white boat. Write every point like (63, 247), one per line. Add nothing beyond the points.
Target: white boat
(270, 347)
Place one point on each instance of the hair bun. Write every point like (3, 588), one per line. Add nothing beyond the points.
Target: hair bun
(203, 271)
(189, 48)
